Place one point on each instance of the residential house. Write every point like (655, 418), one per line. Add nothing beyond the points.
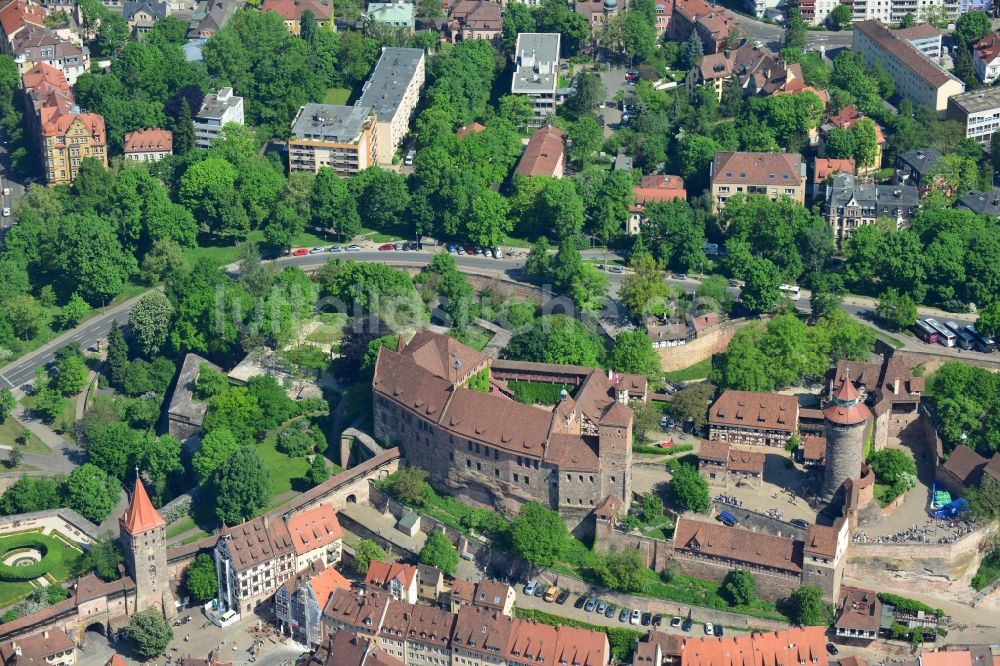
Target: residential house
(431, 584)
(536, 73)
(859, 614)
(343, 138)
(716, 69)
(711, 23)
(978, 112)
(915, 166)
(653, 189)
(721, 464)
(31, 47)
(48, 95)
(148, 145)
(299, 603)
(824, 168)
(217, 110)
(802, 645)
(49, 647)
(392, 92)
(474, 19)
(851, 205)
(17, 17)
(316, 536)
(773, 175)
(981, 203)
(141, 15)
(745, 417)
(211, 16)
(597, 12)
(845, 119)
(397, 15)
(399, 580)
(291, 12)
(986, 58)
(545, 154)
(924, 38)
(66, 140)
(486, 593)
(918, 79)
(345, 648)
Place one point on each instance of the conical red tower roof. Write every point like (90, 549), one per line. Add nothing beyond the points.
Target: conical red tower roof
(847, 391)
(847, 408)
(141, 516)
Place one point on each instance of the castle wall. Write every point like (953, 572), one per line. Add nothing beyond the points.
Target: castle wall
(712, 341)
(65, 521)
(770, 586)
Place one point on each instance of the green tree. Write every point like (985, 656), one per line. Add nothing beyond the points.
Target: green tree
(117, 359)
(409, 485)
(25, 316)
(438, 551)
(183, 129)
(488, 223)
(689, 490)
(382, 197)
(7, 404)
(90, 255)
(675, 234)
(318, 472)
(760, 289)
(104, 557)
(557, 339)
(694, 50)
(585, 137)
(49, 404)
(795, 32)
(632, 352)
(896, 311)
(713, 294)
(643, 290)
(71, 370)
(91, 492)
(624, 570)
(149, 633)
(984, 500)
(691, 404)
(890, 466)
(739, 586)
(242, 486)
(988, 322)
(806, 607)
(589, 93)
(970, 27)
(538, 534)
(841, 17)
(366, 552)
(200, 578)
(149, 321)
(216, 447)
(73, 312)
(332, 206)
(909, 20)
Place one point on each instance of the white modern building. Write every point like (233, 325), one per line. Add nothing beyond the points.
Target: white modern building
(536, 72)
(978, 112)
(217, 111)
(392, 92)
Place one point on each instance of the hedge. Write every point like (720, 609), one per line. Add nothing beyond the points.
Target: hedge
(50, 548)
(543, 393)
(907, 604)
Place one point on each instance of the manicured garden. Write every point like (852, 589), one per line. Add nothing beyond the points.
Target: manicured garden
(57, 560)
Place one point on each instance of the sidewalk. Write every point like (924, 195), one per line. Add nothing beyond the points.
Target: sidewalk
(65, 456)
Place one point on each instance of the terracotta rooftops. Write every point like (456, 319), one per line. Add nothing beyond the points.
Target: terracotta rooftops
(36, 647)
(314, 528)
(847, 117)
(292, 10)
(847, 406)
(659, 188)
(821, 540)
(858, 609)
(713, 450)
(764, 169)
(257, 541)
(544, 152)
(40, 72)
(442, 355)
(149, 141)
(91, 121)
(903, 52)
(608, 508)
(813, 448)
(471, 128)
(824, 167)
(325, 583)
(993, 467)
(803, 645)
(755, 410)
(745, 461)
(738, 545)
(361, 610)
(988, 48)
(18, 14)
(946, 658)
(380, 574)
(140, 516)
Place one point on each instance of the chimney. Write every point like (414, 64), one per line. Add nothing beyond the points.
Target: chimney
(895, 386)
(610, 375)
(45, 634)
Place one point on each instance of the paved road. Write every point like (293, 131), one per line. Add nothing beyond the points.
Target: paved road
(773, 36)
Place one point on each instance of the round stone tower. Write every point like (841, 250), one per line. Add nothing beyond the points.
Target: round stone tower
(845, 419)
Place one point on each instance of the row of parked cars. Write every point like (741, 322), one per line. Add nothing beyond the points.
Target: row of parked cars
(492, 253)
(303, 251)
(552, 594)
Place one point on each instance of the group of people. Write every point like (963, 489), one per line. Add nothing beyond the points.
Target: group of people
(728, 499)
(925, 533)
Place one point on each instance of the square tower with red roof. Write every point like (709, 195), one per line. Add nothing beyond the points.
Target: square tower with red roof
(143, 539)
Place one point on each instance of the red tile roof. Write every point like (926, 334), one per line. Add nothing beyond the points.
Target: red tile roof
(314, 528)
(847, 408)
(738, 545)
(471, 128)
(714, 451)
(987, 49)
(763, 169)
(768, 411)
(904, 52)
(292, 10)
(152, 140)
(18, 14)
(858, 609)
(59, 125)
(814, 448)
(44, 72)
(325, 583)
(805, 645)
(751, 462)
(545, 151)
(824, 167)
(847, 117)
(821, 540)
(36, 647)
(659, 188)
(381, 573)
(140, 516)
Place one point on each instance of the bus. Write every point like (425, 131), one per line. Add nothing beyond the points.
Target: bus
(790, 290)
(962, 336)
(984, 343)
(945, 336)
(925, 332)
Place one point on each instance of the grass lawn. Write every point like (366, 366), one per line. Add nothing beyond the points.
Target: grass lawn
(11, 592)
(401, 232)
(884, 494)
(888, 339)
(286, 472)
(699, 370)
(337, 96)
(473, 336)
(331, 327)
(11, 428)
(180, 526)
(66, 418)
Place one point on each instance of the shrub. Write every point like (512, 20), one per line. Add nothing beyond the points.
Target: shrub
(300, 439)
(542, 393)
(50, 548)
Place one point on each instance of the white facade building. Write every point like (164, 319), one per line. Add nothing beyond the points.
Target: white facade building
(217, 111)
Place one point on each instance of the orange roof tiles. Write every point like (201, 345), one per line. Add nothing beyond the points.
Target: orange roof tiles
(755, 410)
(824, 167)
(947, 658)
(805, 645)
(987, 49)
(140, 516)
(821, 540)
(314, 528)
(381, 573)
(655, 189)
(757, 168)
(545, 151)
(738, 545)
(847, 407)
(813, 447)
(847, 117)
(116, 660)
(16, 15)
(292, 10)
(471, 128)
(325, 583)
(43, 72)
(61, 124)
(149, 141)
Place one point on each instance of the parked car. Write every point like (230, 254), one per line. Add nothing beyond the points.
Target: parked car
(679, 276)
(675, 622)
(657, 620)
(671, 423)
(398, 246)
(388, 247)
(529, 589)
(408, 160)
(718, 630)
(469, 249)
(354, 248)
(497, 254)
(6, 212)
(647, 619)
(551, 594)
(301, 252)
(602, 606)
(563, 596)
(831, 648)
(798, 522)
(624, 615)
(460, 250)
(6, 191)
(488, 253)
(580, 601)
(563, 66)
(316, 250)
(727, 519)
(540, 590)
(335, 248)
(687, 625)
(616, 269)
(611, 610)
(590, 605)
(708, 629)
(451, 248)
(663, 421)
(635, 617)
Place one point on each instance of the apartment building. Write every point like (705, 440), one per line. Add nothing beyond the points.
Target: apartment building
(536, 73)
(31, 47)
(149, 145)
(400, 581)
(816, 12)
(978, 112)
(893, 11)
(217, 110)
(917, 78)
(344, 138)
(299, 603)
(772, 175)
(397, 15)
(851, 205)
(746, 417)
(142, 15)
(653, 189)
(392, 92)
(986, 58)
(291, 12)
(915, 166)
(67, 140)
(474, 19)
(711, 23)
(981, 203)
(17, 17)
(50, 647)
(924, 38)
